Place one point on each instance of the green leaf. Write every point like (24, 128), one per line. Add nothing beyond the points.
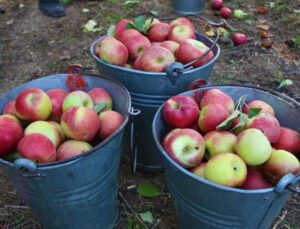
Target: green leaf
(111, 30)
(139, 22)
(132, 3)
(241, 125)
(148, 190)
(66, 1)
(225, 125)
(99, 107)
(253, 112)
(284, 83)
(239, 14)
(147, 217)
(90, 26)
(12, 156)
(296, 41)
(155, 13)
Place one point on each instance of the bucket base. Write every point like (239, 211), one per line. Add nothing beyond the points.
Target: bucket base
(188, 12)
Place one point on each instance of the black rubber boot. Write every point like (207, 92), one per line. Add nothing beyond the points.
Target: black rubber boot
(51, 8)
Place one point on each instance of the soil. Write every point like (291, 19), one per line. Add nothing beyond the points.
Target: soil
(33, 45)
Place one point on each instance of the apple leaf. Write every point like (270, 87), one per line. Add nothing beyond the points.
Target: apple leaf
(141, 23)
(99, 107)
(241, 125)
(225, 125)
(253, 112)
(148, 190)
(147, 217)
(111, 30)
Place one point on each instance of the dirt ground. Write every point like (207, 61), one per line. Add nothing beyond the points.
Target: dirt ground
(33, 45)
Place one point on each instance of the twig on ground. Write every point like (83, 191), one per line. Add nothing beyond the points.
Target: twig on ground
(156, 224)
(281, 218)
(16, 207)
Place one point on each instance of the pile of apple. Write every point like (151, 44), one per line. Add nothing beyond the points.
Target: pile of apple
(240, 145)
(56, 125)
(151, 45)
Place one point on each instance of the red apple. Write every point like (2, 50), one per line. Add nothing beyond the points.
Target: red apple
(255, 180)
(77, 98)
(181, 33)
(37, 147)
(211, 116)
(265, 107)
(239, 39)
(199, 169)
(158, 32)
(9, 108)
(100, 95)
(171, 45)
(155, 44)
(137, 45)
(156, 59)
(121, 27)
(280, 163)
(113, 52)
(180, 111)
(98, 46)
(219, 97)
(33, 104)
(138, 64)
(225, 12)
(182, 21)
(10, 134)
(128, 34)
(110, 121)
(185, 146)
(13, 117)
(80, 123)
(288, 140)
(216, 4)
(57, 97)
(192, 49)
(72, 148)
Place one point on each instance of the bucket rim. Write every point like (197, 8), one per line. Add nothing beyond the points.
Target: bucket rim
(102, 143)
(151, 74)
(200, 179)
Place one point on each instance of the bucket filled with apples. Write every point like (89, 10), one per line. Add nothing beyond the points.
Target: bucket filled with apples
(154, 59)
(231, 155)
(60, 140)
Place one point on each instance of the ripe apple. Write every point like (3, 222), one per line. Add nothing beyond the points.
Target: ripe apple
(121, 27)
(265, 107)
(226, 169)
(46, 129)
(225, 12)
(158, 32)
(80, 123)
(253, 147)
(185, 146)
(138, 64)
(239, 39)
(268, 124)
(182, 21)
(171, 45)
(180, 111)
(155, 44)
(33, 104)
(59, 129)
(255, 180)
(137, 45)
(170, 134)
(219, 97)
(15, 118)
(37, 147)
(10, 134)
(98, 46)
(181, 33)
(128, 34)
(288, 140)
(110, 121)
(191, 49)
(199, 169)
(219, 142)
(100, 95)
(57, 97)
(156, 59)
(9, 108)
(280, 163)
(71, 148)
(216, 4)
(77, 98)
(113, 52)
(211, 116)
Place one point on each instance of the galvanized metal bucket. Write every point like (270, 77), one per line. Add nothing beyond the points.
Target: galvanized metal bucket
(80, 192)
(148, 91)
(187, 7)
(203, 204)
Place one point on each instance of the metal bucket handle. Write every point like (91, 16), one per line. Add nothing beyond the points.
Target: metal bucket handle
(176, 69)
(27, 168)
(288, 182)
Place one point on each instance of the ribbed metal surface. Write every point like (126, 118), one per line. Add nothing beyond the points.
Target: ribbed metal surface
(202, 204)
(148, 91)
(79, 193)
(187, 7)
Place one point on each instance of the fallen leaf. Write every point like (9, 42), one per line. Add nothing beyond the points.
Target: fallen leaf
(261, 10)
(147, 217)
(90, 26)
(148, 190)
(263, 27)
